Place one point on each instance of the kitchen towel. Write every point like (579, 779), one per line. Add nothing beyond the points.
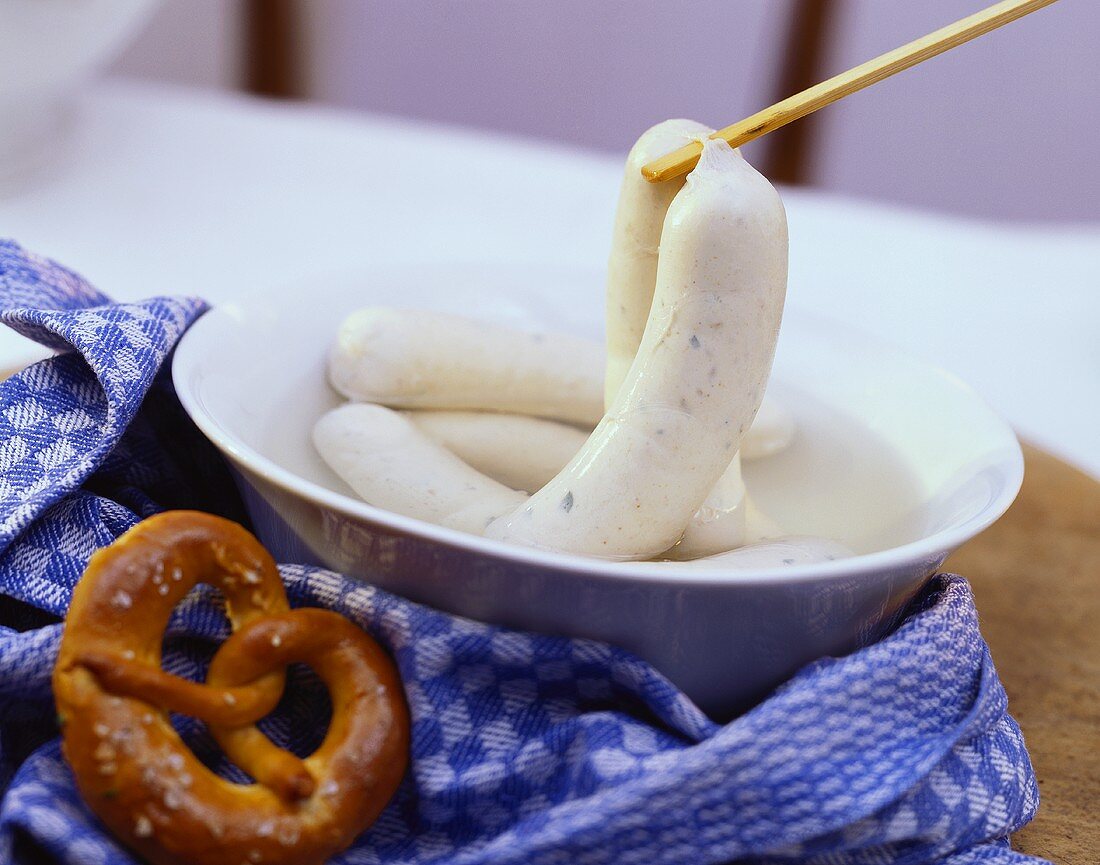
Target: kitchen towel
(525, 748)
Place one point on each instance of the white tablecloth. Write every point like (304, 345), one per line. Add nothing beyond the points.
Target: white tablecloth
(172, 191)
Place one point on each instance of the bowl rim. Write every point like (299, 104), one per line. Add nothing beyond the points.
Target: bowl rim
(933, 547)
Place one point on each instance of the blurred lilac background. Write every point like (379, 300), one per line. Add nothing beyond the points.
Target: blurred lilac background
(1004, 127)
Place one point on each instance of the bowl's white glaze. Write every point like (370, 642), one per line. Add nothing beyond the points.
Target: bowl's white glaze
(896, 458)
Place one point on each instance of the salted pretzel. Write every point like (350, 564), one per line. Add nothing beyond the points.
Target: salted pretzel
(114, 700)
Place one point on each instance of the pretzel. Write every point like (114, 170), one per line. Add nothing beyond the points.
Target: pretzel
(113, 702)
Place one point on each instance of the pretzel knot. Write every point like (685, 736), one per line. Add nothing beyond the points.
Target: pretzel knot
(114, 702)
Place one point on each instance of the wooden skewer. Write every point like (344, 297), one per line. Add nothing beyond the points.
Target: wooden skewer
(680, 162)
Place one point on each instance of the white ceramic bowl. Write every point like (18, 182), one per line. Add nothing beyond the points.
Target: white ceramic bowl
(897, 459)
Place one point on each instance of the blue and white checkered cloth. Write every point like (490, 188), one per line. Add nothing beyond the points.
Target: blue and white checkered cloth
(526, 749)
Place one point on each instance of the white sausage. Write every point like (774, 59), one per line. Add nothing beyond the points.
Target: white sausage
(728, 519)
(526, 452)
(391, 464)
(431, 360)
(695, 383)
(777, 553)
(521, 452)
(635, 240)
(395, 378)
(720, 522)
